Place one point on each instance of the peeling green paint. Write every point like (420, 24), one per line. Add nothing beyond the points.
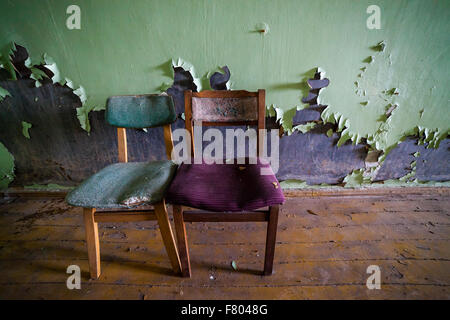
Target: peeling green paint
(330, 133)
(395, 115)
(304, 128)
(3, 93)
(109, 57)
(404, 81)
(7, 50)
(25, 129)
(414, 183)
(208, 75)
(299, 184)
(380, 46)
(50, 64)
(83, 116)
(356, 179)
(6, 167)
(285, 118)
(36, 74)
(201, 82)
(187, 66)
(409, 176)
(362, 178)
(83, 111)
(293, 184)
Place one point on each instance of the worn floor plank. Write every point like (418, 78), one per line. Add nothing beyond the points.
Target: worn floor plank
(324, 246)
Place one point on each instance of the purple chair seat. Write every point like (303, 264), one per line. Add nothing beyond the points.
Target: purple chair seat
(224, 187)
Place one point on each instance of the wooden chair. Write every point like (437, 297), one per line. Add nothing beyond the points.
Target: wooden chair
(225, 192)
(122, 192)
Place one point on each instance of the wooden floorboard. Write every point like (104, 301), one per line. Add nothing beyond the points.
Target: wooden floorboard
(325, 244)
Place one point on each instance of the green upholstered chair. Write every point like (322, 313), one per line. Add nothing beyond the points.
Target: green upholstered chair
(130, 191)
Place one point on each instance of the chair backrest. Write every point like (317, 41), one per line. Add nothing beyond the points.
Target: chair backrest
(225, 108)
(140, 111)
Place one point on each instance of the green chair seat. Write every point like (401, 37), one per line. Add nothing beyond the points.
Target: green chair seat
(124, 185)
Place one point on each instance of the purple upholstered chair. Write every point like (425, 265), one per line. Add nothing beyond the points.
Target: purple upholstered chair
(225, 192)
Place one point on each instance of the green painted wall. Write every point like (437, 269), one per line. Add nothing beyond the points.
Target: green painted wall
(6, 167)
(124, 47)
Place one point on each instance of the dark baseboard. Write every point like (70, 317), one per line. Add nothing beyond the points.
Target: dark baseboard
(289, 193)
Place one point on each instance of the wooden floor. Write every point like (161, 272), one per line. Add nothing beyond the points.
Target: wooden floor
(326, 241)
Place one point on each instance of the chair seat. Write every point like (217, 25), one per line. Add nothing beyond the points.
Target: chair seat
(225, 187)
(124, 185)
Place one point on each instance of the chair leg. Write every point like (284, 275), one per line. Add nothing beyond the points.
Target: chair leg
(92, 241)
(167, 236)
(180, 230)
(271, 239)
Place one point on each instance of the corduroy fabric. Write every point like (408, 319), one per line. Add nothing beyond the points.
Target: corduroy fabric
(224, 187)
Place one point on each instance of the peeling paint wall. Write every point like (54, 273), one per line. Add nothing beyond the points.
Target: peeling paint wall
(6, 167)
(384, 85)
(122, 43)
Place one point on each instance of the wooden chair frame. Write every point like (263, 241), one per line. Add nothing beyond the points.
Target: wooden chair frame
(181, 215)
(93, 216)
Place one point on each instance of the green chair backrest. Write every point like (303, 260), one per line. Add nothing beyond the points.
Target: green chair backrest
(140, 111)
